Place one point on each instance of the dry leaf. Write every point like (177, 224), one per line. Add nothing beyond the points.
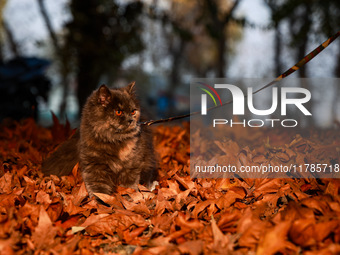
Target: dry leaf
(44, 233)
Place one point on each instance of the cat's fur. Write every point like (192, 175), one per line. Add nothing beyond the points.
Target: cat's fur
(112, 147)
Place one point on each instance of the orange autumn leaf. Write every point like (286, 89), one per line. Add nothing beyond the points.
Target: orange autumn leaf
(274, 239)
(44, 233)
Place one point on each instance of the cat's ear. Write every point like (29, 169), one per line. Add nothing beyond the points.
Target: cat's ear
(104, 95)
(130, 88)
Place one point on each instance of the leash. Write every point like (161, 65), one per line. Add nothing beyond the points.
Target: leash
(291, 70)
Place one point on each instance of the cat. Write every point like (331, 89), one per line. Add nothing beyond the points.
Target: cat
(111, 145)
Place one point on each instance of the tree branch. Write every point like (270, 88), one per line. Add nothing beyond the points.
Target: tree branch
(231, 12)
(53, 36)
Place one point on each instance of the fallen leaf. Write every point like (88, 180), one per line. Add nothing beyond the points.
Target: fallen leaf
(44, 233)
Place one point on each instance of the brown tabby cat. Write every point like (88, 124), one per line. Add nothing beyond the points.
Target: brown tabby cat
(112, 147)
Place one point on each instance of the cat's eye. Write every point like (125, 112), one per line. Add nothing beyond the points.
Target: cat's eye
(119, 113)
(133, 112)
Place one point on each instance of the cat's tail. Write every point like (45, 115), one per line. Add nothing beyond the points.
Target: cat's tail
(62, 161)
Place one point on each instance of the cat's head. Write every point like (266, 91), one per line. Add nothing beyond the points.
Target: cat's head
(112, 114)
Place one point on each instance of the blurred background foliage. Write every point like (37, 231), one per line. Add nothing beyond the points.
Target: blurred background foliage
(161, 44)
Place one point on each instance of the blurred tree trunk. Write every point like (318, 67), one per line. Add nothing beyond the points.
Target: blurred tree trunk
(85, 36)
(221, 57)
(335, 108)
(277, 63)
(278, 49)
(12, 43)
(59, 53)
(48, 24)
(88, 77)
(217, 29)
(176, 51)
(2, 29)
(300, 27)
(101, 35)
(178, 37)
(274, 7)
(302, 51)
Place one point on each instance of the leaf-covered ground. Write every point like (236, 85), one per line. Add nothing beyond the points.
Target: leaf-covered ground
(51, 215)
